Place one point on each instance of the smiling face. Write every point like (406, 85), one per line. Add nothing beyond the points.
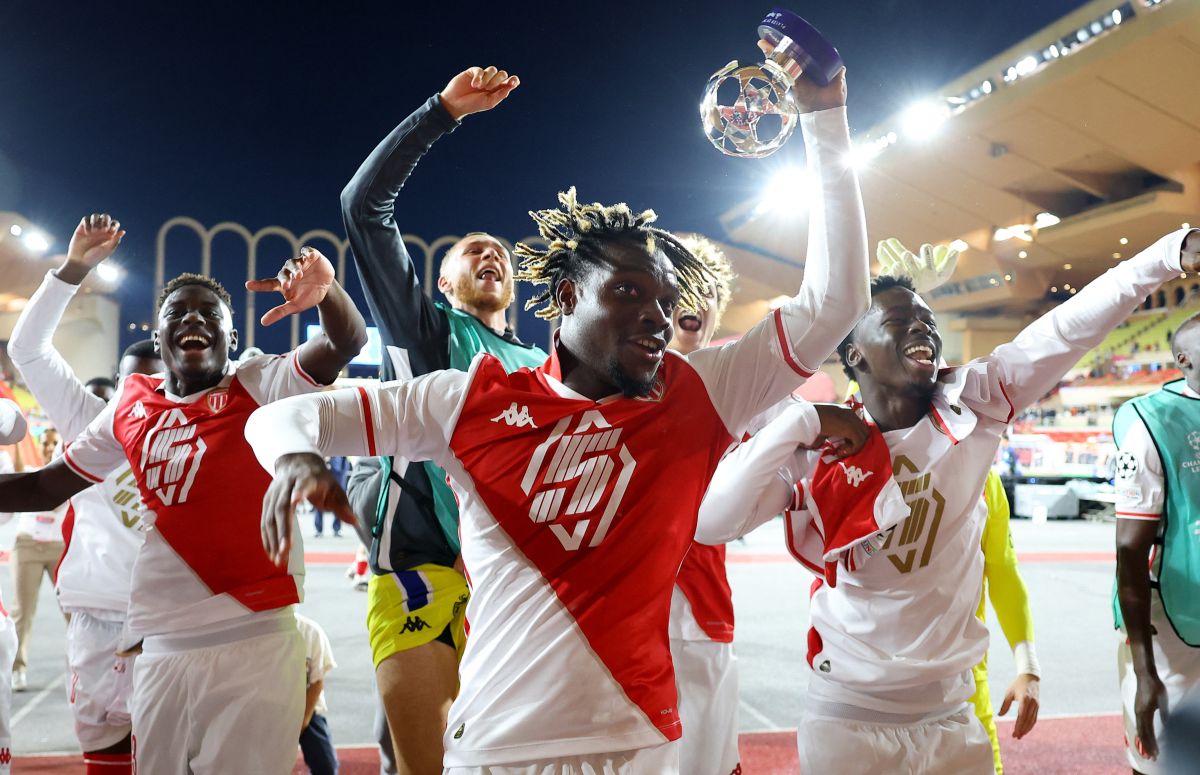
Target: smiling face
(617, 318)
(693, 329)
(896, 345)
(195, 334)
(477, 276)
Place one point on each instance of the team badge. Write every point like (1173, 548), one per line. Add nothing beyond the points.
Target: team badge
(656, 392)
(1127, 465)
(217, 400)
(1194, 440)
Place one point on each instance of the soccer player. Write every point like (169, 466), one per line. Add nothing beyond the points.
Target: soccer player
(579, 481)
(701, 623)
(892, 643)
(1158, 570)
(103, 530)
(416, 595)
(218, 685)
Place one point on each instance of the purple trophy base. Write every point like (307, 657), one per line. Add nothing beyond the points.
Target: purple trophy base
(817, 57)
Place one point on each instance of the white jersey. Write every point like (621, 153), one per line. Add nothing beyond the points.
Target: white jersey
(103, 528)
(13, 425)
(570, 539)
(898, 634)
(202, 562)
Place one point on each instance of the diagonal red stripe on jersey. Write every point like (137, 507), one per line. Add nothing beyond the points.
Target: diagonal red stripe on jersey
(786, 346)
(368, 419)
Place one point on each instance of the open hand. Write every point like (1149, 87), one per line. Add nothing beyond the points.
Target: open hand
(1023, 691)
(303, 281)
(95, 239)
(843, 432)
(477, 89)
(299, 477)
(929, 268)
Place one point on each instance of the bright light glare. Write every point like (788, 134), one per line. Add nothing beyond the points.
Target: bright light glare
(15, 230)
(1046, 219)
(109, 273)
(787, 191)
(37, 242)
(1116, 16)
(959, 245)
(1027, 65)
(1002, 235)
(923, 120)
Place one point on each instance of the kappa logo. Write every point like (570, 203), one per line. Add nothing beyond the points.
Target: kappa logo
(217, 400)
(414, 624)
(516, 417)
(5, 756)
(855, 475)
(139, 411)
(171, 457)
(582, 472)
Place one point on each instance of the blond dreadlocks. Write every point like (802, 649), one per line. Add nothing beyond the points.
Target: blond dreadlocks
(718, 266)
(577, 235)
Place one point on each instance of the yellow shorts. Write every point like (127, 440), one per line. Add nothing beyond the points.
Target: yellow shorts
(410, 608)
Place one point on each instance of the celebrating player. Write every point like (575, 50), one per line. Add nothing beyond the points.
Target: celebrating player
(893, 641)
(1158, 498)
(416, 595)
(579, 481)
(104, 529)
(217, 687)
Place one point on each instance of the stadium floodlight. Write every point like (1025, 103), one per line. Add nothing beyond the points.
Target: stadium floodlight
(37, 242)
(1116, 16)
(924, 119)
(1042, 220)
(1027, 65)
(1023, 254)
(109, 273)
(787, 191)
(15, 230)
(959, 245)
(1002, 235)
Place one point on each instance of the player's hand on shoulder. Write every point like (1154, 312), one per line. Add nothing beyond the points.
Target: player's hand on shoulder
(95, 239)
(303, 281)
(477, 89)
(843, 432)
(299, 477)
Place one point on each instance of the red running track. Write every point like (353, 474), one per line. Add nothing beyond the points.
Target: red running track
(1062, 746)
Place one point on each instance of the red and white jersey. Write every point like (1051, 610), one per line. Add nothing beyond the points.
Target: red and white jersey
(575, 514)
(102, 527)
(898, 633)
(702, 601)
(202, 561)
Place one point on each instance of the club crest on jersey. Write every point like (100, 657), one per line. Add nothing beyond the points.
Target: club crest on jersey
(657, 390)
(171, 457)
(516, 417)
(217, 400)
(138, 411)
(577, 472)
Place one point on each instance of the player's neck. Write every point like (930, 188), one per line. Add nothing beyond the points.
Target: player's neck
(1193, 382)
(183, 385)
(892, 410)
(496, 319)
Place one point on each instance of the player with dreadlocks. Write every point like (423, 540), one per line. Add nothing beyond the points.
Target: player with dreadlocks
(216, 688)
(894, 636)
(579, 481)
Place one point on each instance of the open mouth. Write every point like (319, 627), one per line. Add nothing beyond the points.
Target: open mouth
(690, 322)
(921, 354)
(649, 347)
(194, 342)
(488, 273)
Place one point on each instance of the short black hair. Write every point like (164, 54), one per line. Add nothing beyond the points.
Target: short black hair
(141, 349)
(884, 282)
(100, 382)
(189, 278)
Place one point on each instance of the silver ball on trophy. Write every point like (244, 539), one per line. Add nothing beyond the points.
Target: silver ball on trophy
(749, 110)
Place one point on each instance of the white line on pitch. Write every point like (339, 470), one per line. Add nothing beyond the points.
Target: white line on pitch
(37, 700)
(758, 715)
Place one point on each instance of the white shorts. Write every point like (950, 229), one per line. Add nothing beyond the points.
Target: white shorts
(706, 676)
(1178, 666)
(954, 745)
(233, 707)
(99, 683)
(659, 760)
(8, 652)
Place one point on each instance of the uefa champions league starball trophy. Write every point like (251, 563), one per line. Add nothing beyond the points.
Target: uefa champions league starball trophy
(750, 111)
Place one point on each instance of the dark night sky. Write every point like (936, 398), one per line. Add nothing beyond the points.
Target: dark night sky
(260, 112)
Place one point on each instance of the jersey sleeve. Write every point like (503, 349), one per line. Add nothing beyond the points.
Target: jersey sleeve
(268, 378)
(69, 405)
(1006, 588)
(95, 453)
(756, 481)
(13, 425)
(1033, 363)
(785, 348)
(413, 419)
(1139, 481)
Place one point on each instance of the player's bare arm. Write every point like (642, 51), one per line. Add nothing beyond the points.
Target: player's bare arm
(42, 490)
(1135, 539)
(299, 477)
(308, 281)
(95, 239)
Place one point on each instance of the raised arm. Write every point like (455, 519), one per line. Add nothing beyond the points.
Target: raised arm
(777, 355)
(1033, 363)
(406, 317)
(68, 404)
(292, 438)
(42, 490)
(307, 281)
